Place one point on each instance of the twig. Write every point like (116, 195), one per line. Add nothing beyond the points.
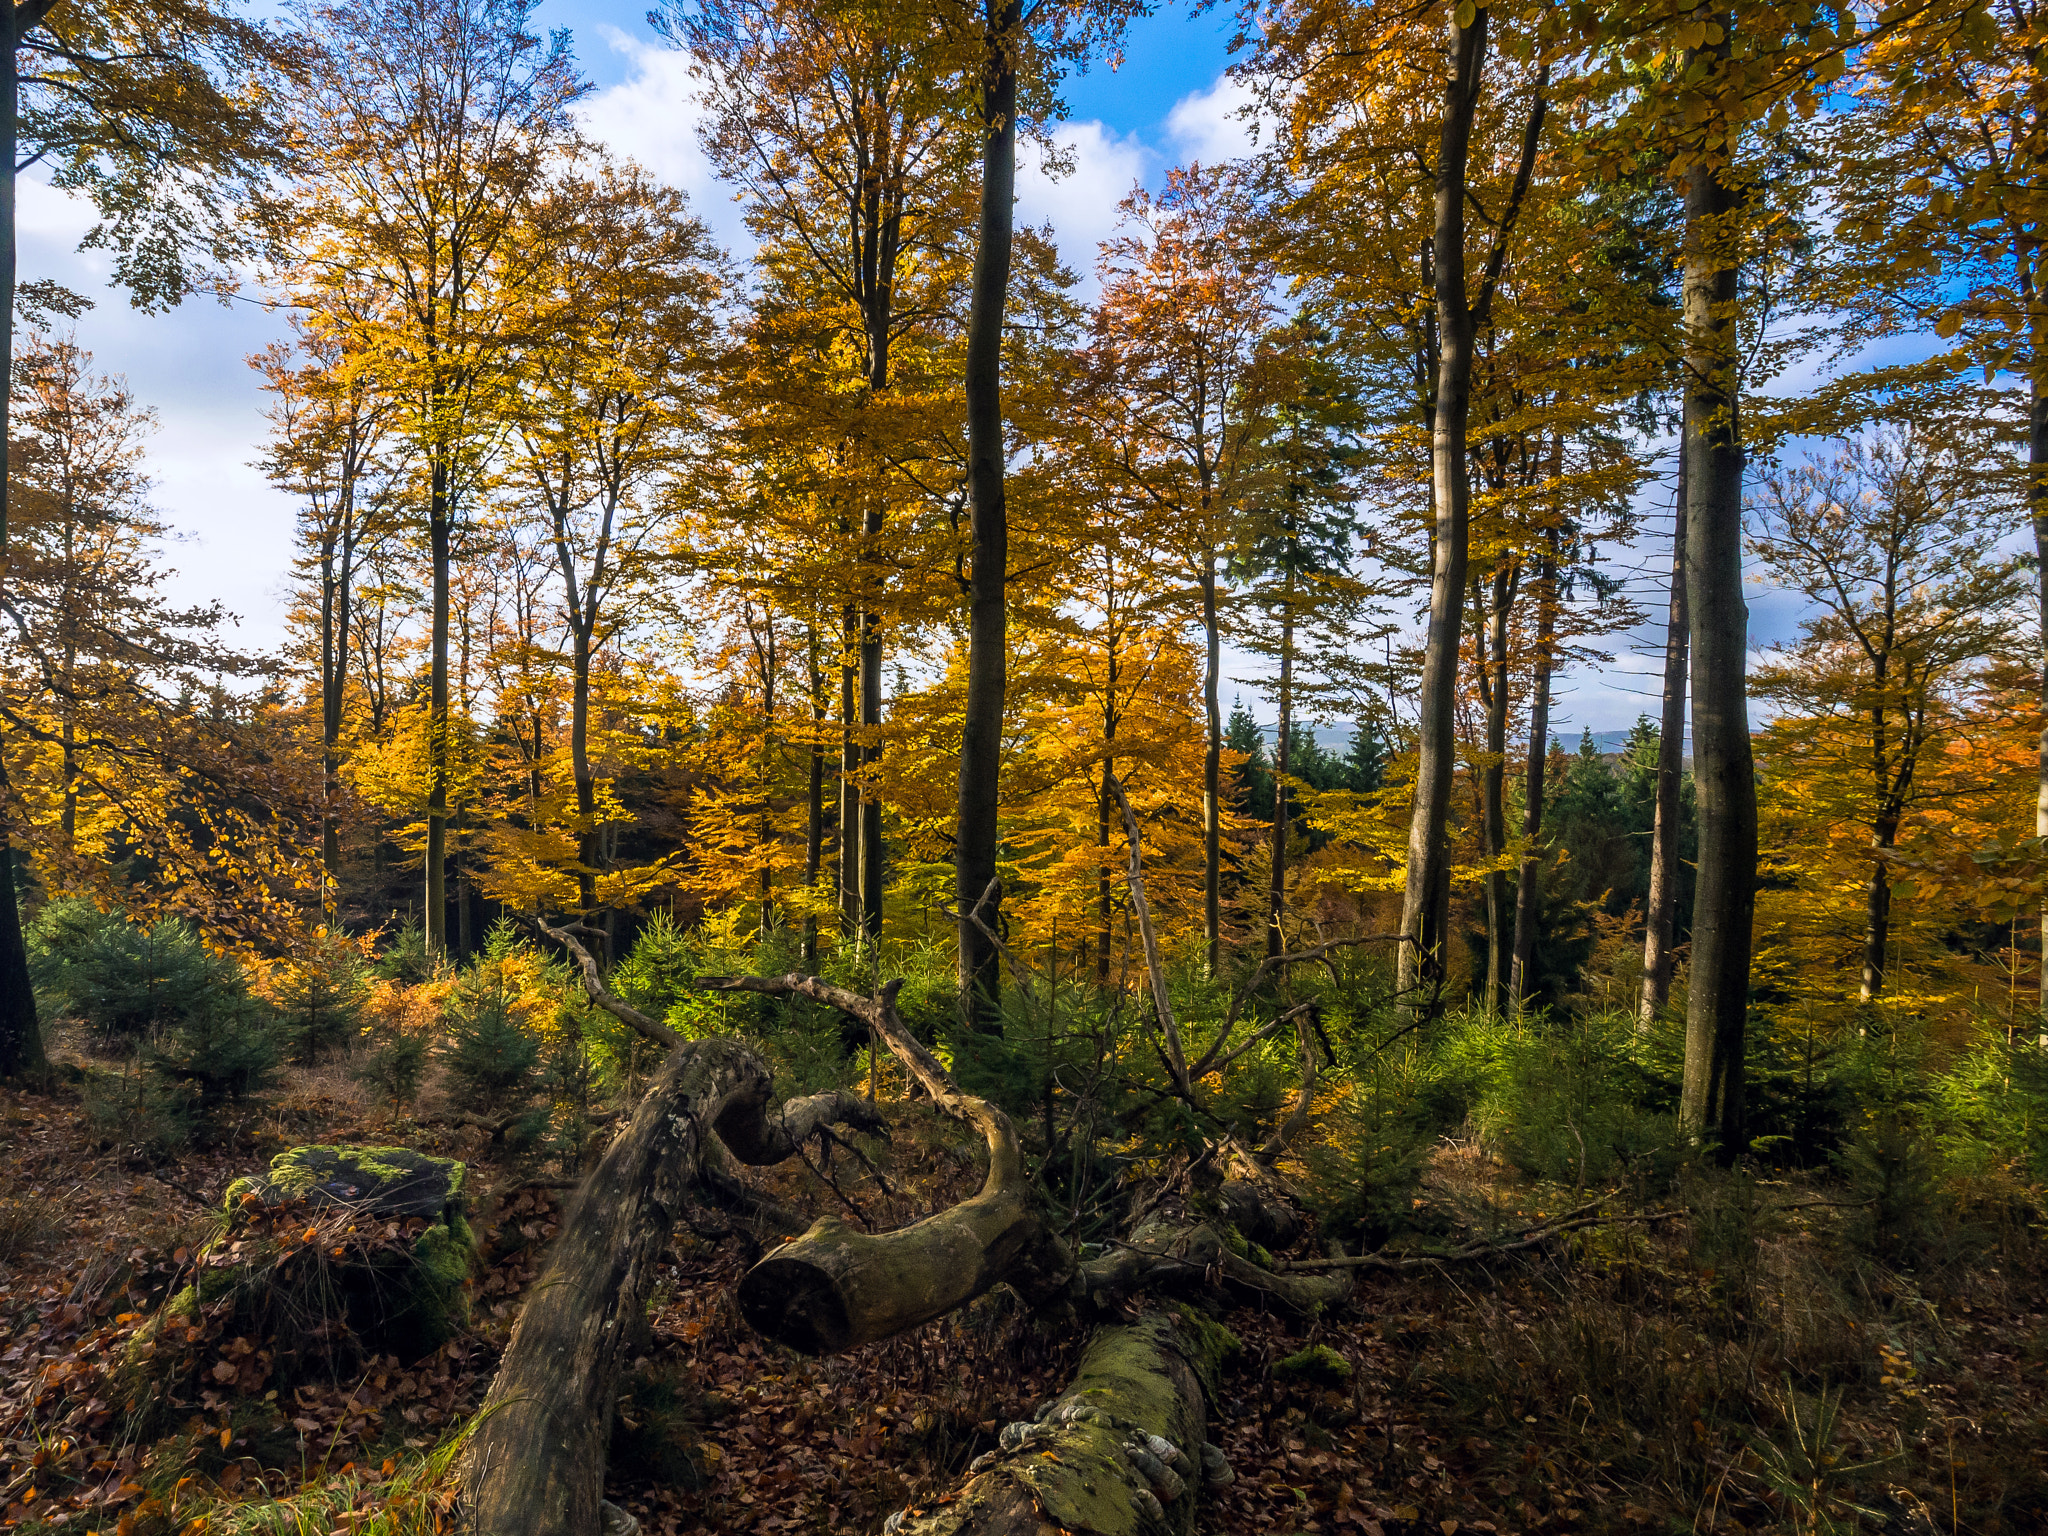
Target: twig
(1177, 1060)
(600, 994)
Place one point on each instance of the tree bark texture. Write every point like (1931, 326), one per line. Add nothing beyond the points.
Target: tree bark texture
(2037, 508)
(1212, 775)
(1276, 903)
(1425, 900)
(536, 1464)
(981, 733)
(438, 541)
(21, 1037)
(1529, 877)
(1660, 927)
(1724, 777)
(1493, 674)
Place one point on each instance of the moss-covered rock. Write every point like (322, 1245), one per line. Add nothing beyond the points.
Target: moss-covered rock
(388, 1273)
(1318, 1363)
(393, 1182)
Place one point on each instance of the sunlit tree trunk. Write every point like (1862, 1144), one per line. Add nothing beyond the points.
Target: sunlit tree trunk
(1660, 927)
(1425, 904)
(1717, 1001)
(2037, 507)
(849, 774)
(981, 734)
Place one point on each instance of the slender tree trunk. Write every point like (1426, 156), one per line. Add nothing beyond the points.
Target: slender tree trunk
(1529, 878)
(1103, 909)
(1212, 773)
(2037, 507)
(1425, 904)
(438, 540)
(1276, 906)
(871, 753)
(1877, 919)
(849, 774)
(981, 734)
(1717, 1003)
(588, 846)
(1493, 788)
(21, 1038)
(764, 832)
(1660, 927)
(814, 796)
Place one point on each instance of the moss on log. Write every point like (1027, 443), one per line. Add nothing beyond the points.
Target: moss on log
(1119, 1453)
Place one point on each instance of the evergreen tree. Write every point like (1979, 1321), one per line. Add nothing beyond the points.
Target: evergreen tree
(1255, 773)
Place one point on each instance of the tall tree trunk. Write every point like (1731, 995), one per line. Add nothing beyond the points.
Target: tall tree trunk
(1103, 796)
(1877, 918)
(849, 774)
(981, 733)
(1493, 787)
(2037, 506)
(1425, 903)
(1660, 927)
(21, 1039)
(1276, 906)
(1212, 773)
(871, 753)
(1724, 775)
(438, 541)
(588, 847)
(814, 795)
(1529, 878)
(764, 832)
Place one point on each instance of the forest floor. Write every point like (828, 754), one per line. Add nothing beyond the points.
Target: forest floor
(1725, 1368)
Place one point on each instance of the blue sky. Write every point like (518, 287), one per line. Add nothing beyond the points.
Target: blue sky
(1168, 103)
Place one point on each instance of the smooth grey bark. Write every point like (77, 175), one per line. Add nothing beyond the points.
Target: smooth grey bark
(1662, 915)
(1425, 902)
(849, 773)
(981, 733)
(1724, 775)
(439, 539)
(814, 791)
(1529, 877)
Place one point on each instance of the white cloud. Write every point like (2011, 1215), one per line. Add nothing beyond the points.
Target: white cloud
(652, 117)
(1209, 126)
(1082, 205)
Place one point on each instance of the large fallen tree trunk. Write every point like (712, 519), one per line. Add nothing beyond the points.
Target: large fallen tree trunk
(536, 1463)
(1120, 1451)
(835, 1288)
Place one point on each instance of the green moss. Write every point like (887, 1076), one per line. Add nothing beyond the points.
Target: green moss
(298, 1171)
(1318, 1363)
(1206, 1344)
(1259, 1256)
(1234, 1240)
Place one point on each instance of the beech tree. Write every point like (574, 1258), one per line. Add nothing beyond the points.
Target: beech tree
(421, 136)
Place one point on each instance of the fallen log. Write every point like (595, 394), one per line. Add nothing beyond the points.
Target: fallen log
(1122, 1450)
(536, 1464)
(835, 1288)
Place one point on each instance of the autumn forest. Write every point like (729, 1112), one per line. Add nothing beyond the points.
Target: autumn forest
(908, 875)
